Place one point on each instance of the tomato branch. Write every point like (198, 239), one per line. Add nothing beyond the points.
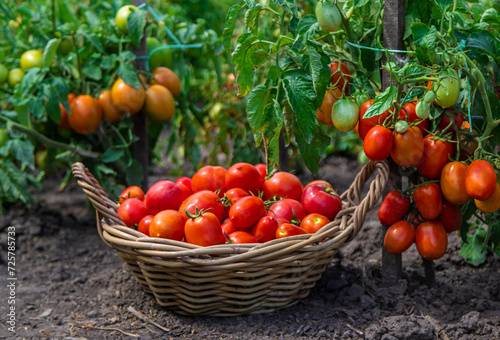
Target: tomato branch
(49, 142)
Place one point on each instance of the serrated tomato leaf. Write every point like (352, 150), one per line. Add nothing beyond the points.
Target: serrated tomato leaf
(256, 104)
(382, 102)
(231, 17)
(474, 251)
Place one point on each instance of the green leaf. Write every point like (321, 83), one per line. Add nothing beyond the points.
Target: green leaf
(258, 98)
(308, 22)
(50, 51)
(109, 61)
(232, 16)
(443, 4)
(93, 40)
(13, 183)
(360, 3)
(312, 152)
(491, 17)
(136, 23)
(66, 14)
(31, 79)
(320, 72)
(300, 93)
(382, 102)
(290, 6)
(111, 155)
(474, 251)
(419, 30)
(483, 42)
(243, 62)
(35, 105)
(52, 105)
(23, 151)
(127, 56)
(129, 75)
(92, 71)
(468, 210)
(252, 16)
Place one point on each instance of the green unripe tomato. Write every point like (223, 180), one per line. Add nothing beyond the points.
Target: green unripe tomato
(30, 59)
(423, 109)
(329, 17)
(161, 57)
(4, 137)
(15, 77)
(447, 89)
(429, 97)
(345, 114)
(65, 47)
(121, 17)
(4, 73)
(401, 126)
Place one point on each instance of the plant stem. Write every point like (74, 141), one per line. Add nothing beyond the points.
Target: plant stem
(47, 141)
(54, 15)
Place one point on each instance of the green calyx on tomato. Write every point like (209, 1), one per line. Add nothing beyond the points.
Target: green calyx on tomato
(329, 16)
(121, 17)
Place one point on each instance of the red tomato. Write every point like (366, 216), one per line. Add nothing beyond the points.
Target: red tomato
(313, 222)
(239, 237)
(399, 237)
(281, 220)
(235, 194)
(408, 148)
(451, 218)
(144, 223)
(365, 124)
(244, 176)
(445, 124)
(132, 211)
(407, 113)
(203, 200)
(132, 192)
(453, 183)
(246, 212)
(186, 181)
(480, 180)
(186, 192)
(86, 114)
(228, 228)
(436, 154)
(378, 143)
(211, 178)
(204, 230)
(262, 169)
(163, 195)
(168, 224)
(428, 200)
(393, 208)
(324, 112)
(265, 229)
(340, 79)
(283, 184)
(319, 181)
(318, 199)
(490, 205)
(287, 229)
(431, 240)
(415, 219)
(288, 209)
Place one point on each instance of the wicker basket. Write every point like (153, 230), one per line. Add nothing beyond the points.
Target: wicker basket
(232, 279)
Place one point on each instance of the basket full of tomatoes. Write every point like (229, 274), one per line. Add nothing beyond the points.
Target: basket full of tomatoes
(235, 241)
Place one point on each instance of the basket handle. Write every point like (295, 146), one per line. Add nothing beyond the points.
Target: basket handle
(353, 194)
(105, 208)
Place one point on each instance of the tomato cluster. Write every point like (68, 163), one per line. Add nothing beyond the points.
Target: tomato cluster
(236, 205)
(156, 100)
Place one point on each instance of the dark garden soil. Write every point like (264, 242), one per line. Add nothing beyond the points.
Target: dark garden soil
(70, 285)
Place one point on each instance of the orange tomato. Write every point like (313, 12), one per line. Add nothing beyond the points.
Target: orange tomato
(127, 98)
(324, 113)
(166, 77)
(110, 111)
(160, 104)
(86, 114)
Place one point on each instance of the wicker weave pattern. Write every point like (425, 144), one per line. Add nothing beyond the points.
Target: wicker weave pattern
(232, 279)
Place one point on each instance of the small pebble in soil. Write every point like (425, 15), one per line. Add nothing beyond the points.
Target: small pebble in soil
(469, 321)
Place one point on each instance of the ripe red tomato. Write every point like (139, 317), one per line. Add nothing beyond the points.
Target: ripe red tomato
(186, 181)
(480, 180)
(168, 224)
(262, 169)
(399, 237)
(204, 230)
(127, 98)
(287, 229)
(203, 200)
(132, 192)
(492, 204)
(144, 223)
(265, 229)
(446, 119)
(431, 240)
(288, 209)
(283, 184)
(428, 199)
(228, 228)
(393, 207)
(378, 143)
(86, 114)
(314, 222)
(244, 176)
(340, 79)
(318, 199)
(365, 124)
(239, 237)
(163, 195)
(408, 148)
(132, 211)
(211, 178)
(408, 113)
(246, 212)
(436, 154)
(324, 112)
(234, 194)
(453, 183)
(319, 181)
(451, 218)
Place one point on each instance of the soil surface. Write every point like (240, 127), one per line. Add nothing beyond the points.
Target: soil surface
(70, 285)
